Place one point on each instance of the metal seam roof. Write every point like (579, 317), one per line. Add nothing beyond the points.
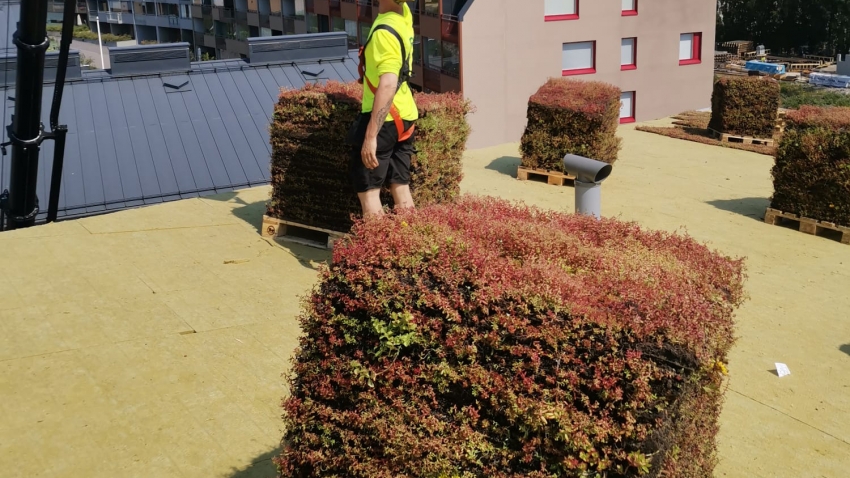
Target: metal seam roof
(134, 141)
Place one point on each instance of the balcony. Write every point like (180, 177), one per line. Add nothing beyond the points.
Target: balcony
(253, 18)
(58, 6)
(197, 11)
(119, 18)
(450, 29)
(265, 20)
(199, 39)
(335, 8)
(240, 16)
(210, 41)
(321, 7)
(220, 42)
(366, 11)
(276, 22)
(348, 9)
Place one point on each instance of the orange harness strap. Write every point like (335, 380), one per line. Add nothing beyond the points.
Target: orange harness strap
(399, 123)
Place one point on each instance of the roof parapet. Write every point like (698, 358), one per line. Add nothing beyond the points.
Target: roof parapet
(150, 59)
(289, 48)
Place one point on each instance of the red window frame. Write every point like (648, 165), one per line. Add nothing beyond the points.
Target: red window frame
(633, 12)
(633, 65)
(696, 53)
(583, 71)
(630, 119)
(558, 18)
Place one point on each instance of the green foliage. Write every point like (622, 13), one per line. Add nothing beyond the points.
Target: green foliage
(484, 339)
(310, 156)
(786, 25)
(811, 176)
(567, 116)
(745, 106)
(795, 95)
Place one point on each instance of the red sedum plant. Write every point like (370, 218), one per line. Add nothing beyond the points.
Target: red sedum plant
(310, 157)
(568, 116)
(811, 176)
(488, 339)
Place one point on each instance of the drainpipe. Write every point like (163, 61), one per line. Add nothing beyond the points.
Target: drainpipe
(27, 132)
(589, 175)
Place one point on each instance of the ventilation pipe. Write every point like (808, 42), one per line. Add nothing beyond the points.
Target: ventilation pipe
(589, 174)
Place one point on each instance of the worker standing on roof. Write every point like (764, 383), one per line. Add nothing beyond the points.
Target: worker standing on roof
(383, 136)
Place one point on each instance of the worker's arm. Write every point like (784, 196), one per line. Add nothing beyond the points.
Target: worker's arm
(380, 109)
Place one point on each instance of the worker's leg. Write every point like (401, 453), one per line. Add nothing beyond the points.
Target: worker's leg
(370, 202)
(399, 175)
(368, 182)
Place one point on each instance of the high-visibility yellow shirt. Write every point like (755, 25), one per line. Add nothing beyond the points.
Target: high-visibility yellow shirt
(383, 55)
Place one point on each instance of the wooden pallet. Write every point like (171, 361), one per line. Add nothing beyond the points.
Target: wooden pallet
(299, 233)
(731, 138)
(807, 225)
(556, 178)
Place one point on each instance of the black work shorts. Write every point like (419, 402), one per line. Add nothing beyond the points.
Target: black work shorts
(393, 156)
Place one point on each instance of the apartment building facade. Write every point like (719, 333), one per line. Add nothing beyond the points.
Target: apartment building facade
(496, 52)
(220, 28)
(658, 52)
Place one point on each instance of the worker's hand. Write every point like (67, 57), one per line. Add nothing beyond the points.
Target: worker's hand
(369, 152)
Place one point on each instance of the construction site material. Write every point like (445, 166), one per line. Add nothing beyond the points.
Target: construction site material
(807, 225)
(556, 178)
(769, 68)
(299, 233)
(825, 79)
(731, 138)
(737, 47)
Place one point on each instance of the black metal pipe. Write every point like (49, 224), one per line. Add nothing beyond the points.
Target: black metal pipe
(60, 131)
(26, 133)
(56, 176)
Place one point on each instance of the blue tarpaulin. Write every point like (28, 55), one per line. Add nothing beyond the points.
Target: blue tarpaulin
(769, 68)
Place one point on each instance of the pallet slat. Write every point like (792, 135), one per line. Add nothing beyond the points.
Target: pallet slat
(555, 178)
(299, 233)
(805, 224)
(731, 138)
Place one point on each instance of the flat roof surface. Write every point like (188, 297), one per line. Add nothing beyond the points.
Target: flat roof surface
(151, 342)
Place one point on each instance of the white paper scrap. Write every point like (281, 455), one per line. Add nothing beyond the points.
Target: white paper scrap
(782, 369)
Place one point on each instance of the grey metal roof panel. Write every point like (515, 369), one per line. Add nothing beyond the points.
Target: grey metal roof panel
(134, 141)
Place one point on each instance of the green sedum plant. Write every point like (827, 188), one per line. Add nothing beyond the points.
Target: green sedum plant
(567, 116)
(310, 157)
(488, 339)
(745, 106)
(811, 176)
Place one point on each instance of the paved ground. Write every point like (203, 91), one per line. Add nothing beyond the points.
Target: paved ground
(92, 52)
(151, 342)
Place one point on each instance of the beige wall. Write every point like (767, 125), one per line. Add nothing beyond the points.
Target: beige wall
(509, 51)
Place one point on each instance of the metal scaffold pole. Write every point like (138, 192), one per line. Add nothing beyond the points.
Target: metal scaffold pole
(27, 131)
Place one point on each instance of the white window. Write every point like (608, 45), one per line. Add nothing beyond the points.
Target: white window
(627, 107)
(557, 8)
(630, 5)
(627, 52)
(686, 46)
(578, 58)
(689, 48)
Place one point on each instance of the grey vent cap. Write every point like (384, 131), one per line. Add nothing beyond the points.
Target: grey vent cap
(150, 59)
(289, 48)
